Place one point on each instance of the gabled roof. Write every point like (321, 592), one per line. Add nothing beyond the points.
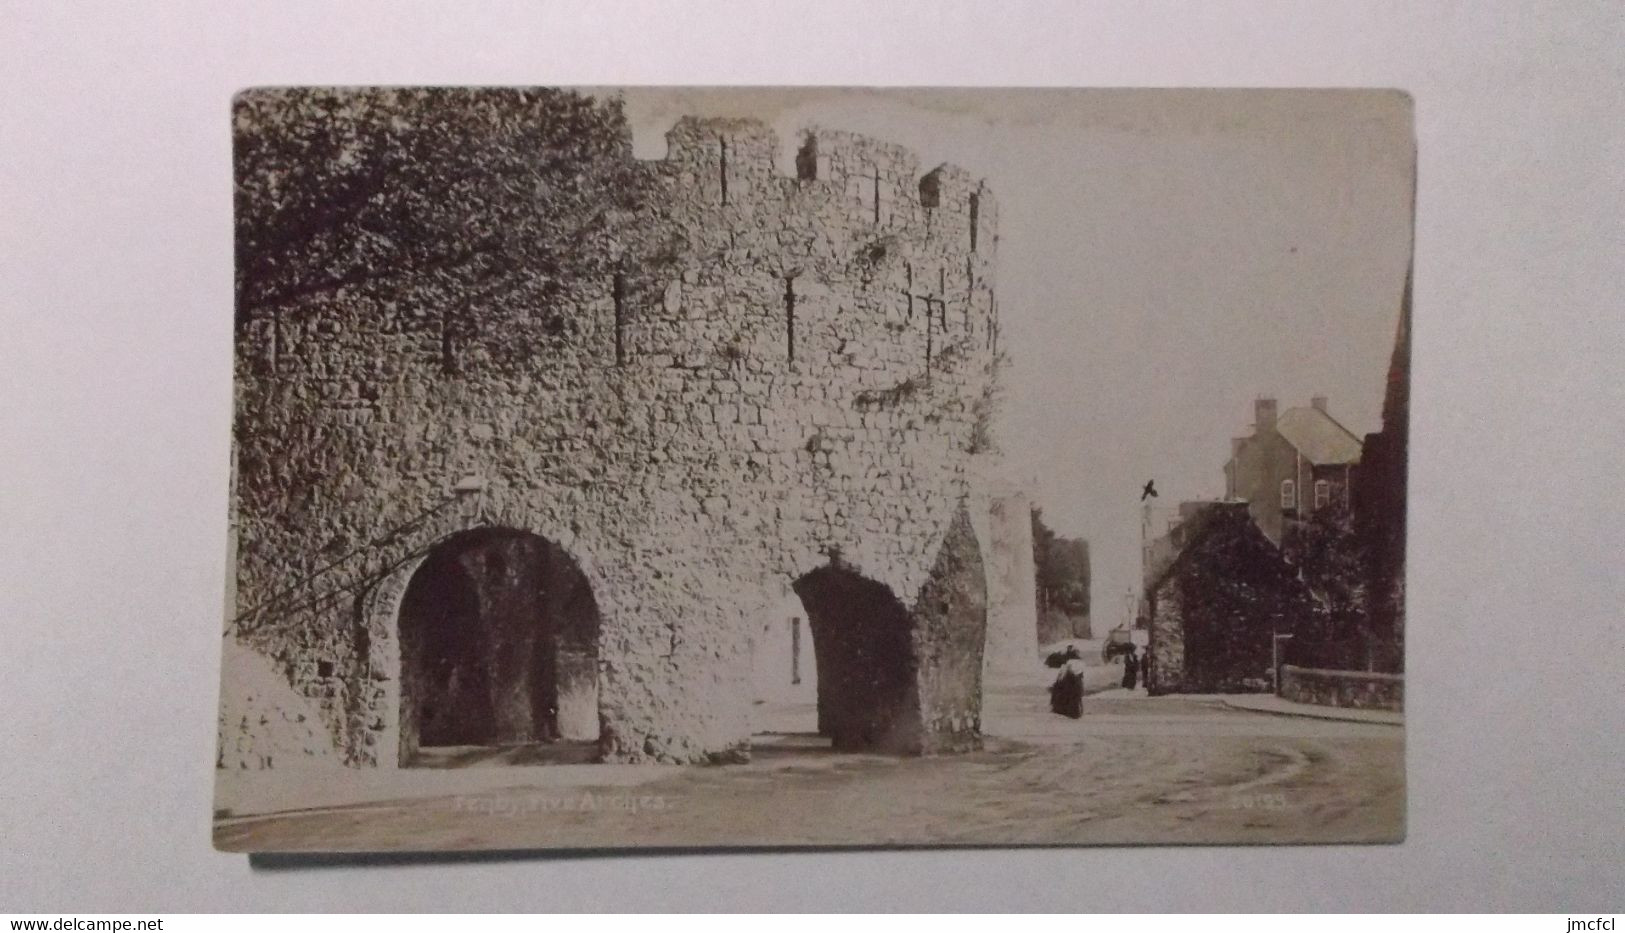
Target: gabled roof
(1231, 523)
(1318, 436)
(1192, 529)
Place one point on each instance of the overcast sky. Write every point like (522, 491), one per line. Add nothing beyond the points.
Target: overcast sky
(1164, 258)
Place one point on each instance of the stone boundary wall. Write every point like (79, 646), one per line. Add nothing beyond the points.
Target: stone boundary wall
(1349, 689)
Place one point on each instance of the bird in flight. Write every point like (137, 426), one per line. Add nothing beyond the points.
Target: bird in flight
(1150, 490)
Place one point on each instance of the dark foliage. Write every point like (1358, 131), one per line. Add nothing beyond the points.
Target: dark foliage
(1331, 562)
(1236, 593)
(1062, 570)
(1380, 505)
(466, 190)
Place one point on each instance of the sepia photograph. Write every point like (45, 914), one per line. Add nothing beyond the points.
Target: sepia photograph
(1153, 463)
(622, 468)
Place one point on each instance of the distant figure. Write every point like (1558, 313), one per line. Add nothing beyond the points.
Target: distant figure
(1150, 490)
(1066, 693)
(1131, 669)
(1059, 658)
(550, 725)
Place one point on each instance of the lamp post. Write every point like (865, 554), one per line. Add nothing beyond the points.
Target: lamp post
(1275, 657)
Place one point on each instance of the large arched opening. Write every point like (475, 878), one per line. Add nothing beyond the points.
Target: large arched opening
(891, 677)
(499, 654)
(848, 675)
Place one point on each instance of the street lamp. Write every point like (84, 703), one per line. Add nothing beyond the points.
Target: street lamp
(1275, 657)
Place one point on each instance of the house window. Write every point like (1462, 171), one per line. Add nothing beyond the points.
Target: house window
(1323, 493)
(1289, 494)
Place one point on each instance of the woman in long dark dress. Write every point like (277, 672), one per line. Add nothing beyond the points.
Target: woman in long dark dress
(1131, 670)
(1066, 693)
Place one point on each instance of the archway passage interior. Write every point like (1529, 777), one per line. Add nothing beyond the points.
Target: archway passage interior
(784, 678)
(889, 677)
(868, 695)
(499, 654)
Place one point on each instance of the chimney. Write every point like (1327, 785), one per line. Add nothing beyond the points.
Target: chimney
(1264, 414)
(1319, 403)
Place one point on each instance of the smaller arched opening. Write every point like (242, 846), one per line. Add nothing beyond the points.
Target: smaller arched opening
(499, 654)
(889, 677)
(863, 662)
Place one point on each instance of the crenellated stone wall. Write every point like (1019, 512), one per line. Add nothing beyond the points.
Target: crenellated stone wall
(783, 374)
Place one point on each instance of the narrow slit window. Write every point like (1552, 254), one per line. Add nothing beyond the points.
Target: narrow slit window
(993, 322)
(722, 169)
(975, 218)
(930, 314)
(908, 290)
(1289, 494)
(619, 292)
(790, 318)
(970, 291)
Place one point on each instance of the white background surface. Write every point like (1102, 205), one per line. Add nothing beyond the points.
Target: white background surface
(115, 344)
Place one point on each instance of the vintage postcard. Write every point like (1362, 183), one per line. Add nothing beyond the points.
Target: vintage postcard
(663, 467)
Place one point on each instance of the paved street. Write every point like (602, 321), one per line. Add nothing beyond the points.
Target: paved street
(1135, 769)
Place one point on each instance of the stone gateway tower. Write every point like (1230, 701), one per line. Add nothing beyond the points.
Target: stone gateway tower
(488, 504)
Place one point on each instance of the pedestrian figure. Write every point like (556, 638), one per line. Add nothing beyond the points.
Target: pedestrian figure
(1131, 668)
(1066, 693)
(1059, 658)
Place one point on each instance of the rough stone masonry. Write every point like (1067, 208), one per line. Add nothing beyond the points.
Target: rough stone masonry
(789, 386)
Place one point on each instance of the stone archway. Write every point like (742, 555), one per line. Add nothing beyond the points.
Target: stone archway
(498, 647)
(868, 693)
(899, 678)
